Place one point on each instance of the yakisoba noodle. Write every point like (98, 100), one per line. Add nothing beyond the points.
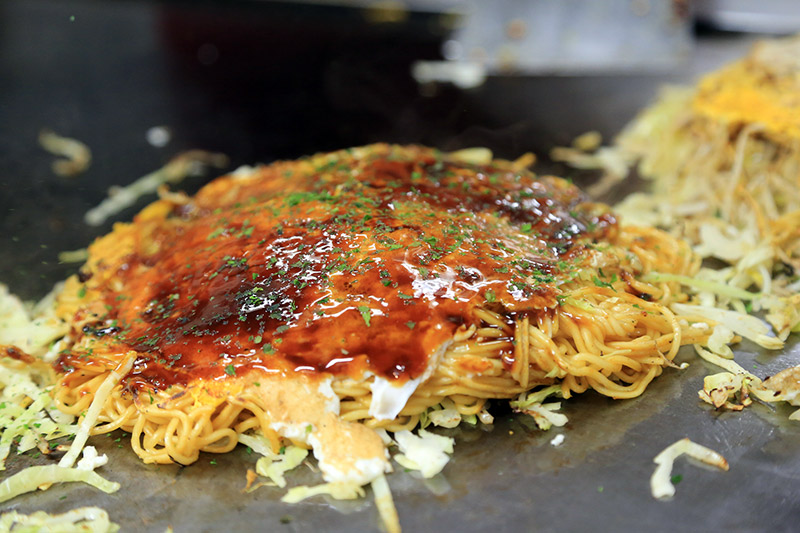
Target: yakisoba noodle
(380, 281)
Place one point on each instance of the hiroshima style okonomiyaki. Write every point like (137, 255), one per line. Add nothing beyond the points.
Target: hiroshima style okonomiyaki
(316, 300)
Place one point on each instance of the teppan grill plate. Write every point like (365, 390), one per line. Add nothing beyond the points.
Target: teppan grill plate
(280, 81)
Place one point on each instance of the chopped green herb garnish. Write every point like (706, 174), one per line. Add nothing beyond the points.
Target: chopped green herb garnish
(600, 283)
(366, 313)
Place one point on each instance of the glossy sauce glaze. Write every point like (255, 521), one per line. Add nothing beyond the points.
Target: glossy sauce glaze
(362, 260)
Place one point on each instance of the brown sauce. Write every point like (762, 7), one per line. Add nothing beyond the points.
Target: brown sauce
(354, 265)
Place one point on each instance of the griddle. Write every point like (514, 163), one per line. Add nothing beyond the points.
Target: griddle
(288, 80)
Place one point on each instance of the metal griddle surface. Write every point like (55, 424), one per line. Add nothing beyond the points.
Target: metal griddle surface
(118, 69)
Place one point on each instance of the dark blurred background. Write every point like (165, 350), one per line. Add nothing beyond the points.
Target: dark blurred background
(260, 81)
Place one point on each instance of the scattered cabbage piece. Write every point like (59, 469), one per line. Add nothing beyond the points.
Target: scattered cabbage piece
(727, 364)
(257, 442)
(73, 256)
(273, 466)
(77, 155)
(721, 390)
(426, 452)
(474, 156)
(736, 381)
(338, 491)
(446, 418)
(700, 284)
(186, 164)
(82, 520)
(446, 415)
(31, 478)
(526, 399)
(660, 484)
(485, 417)
(543, 413)
(785, 386)
(719, 340)
(742, 324)
(385, 504)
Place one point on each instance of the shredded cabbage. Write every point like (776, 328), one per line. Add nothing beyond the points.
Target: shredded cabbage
(186, 164)
(31, 329)
(257, 442)
(720, 390)
(701, 284)
(274, 465)
(82, 520)
(426, 452)
(525, 400)
(385, 504)
(26, 412)
(719, 340)
(73, 256)
(32, 424)
(338, 491)
(735, 380)
(443, 415)
(784, 386)
(543, 413)
(742, 324)
(31, 478)
(660, 484)
(446, 418)
(783, 313)
(90, 419)
(544, 416)
(475, 156)
(77, 156)
(728, 364)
